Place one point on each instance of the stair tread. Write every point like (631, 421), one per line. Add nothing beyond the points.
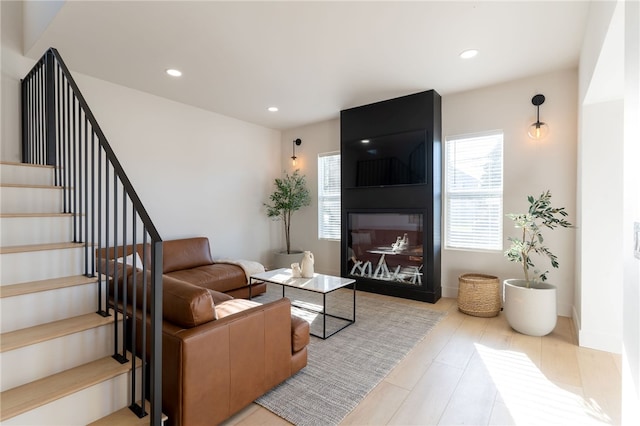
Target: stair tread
(44, 285)
(43, 391)
(126, 417)
(52, 330)
(23, 185)
(38, 247)
(15, 163)
(10, 215)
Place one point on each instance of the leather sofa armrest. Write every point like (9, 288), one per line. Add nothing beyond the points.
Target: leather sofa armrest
(221, 366)
(299, 333)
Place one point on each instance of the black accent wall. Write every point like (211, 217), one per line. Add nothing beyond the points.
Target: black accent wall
(412, 113)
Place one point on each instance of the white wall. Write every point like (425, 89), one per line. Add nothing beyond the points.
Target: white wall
(631, 216)
(197, 173)
(530, 168)
(598, 314)
(316, 139)
(13, 66)
(607, 310)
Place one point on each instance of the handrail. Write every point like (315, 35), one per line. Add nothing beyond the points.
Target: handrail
(59, 129)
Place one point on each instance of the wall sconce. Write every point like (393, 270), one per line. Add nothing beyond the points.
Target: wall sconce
(539, 129)
(293, 157)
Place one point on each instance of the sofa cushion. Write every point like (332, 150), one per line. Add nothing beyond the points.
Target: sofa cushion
(219, 276)
(234, 306)
(131, 260)
(186, 253)
(219, 297)
(183, 304)
(299, 333)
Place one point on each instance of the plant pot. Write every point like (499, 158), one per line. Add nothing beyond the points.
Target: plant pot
(284, 260)
(532, 310)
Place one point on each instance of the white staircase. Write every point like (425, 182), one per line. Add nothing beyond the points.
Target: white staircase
(55, 351)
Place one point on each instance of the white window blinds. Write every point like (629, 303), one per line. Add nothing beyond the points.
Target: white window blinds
(329, 196)
(473, 192)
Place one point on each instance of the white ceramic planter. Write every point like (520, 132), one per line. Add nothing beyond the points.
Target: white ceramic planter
(284, 260)
(531, 310)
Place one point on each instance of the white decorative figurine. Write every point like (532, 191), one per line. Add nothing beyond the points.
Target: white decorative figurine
(296, 272)
(307, 265)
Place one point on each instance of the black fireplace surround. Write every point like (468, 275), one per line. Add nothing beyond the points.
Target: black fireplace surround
(391, 196)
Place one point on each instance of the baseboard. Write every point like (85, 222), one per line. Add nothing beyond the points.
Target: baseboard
(576, 319)
(596, 340)
(600, 341)
(450, 292)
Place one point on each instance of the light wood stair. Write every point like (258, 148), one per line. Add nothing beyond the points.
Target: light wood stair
(52, 330)
(39, 247)
(124, 418)
(12, 290)
(56, 365)
(27, 397)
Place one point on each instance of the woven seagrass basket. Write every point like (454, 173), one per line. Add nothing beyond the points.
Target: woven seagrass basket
(479, 295)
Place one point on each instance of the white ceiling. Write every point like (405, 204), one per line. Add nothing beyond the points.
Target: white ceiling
(311, 59)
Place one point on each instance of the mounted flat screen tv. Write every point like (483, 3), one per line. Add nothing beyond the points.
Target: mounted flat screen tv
(397, 159)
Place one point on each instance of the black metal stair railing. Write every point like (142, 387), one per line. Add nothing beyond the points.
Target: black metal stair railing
(59, 129)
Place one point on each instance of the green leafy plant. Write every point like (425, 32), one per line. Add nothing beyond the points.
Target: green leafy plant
(290, 195)
(540, 215)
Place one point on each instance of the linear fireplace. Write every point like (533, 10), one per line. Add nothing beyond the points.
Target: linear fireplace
(387, 247)
(391, 196)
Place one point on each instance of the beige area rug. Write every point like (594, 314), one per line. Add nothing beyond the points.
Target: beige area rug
(343, 369)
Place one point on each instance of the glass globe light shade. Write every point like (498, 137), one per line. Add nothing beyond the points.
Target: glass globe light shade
(538, 130)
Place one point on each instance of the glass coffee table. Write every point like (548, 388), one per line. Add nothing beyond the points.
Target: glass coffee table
(323, 284)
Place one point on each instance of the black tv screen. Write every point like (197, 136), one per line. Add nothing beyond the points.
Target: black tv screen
(397, 159)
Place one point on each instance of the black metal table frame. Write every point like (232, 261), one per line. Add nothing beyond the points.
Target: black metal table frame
(324, 306)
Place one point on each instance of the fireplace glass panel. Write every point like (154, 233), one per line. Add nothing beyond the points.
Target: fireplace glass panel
(386, 247)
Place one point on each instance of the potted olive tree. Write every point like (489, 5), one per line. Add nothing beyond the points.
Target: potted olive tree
(530, 303)
(290, 195)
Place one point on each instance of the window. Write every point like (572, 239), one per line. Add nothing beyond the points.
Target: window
(473, 192)
(329, 196)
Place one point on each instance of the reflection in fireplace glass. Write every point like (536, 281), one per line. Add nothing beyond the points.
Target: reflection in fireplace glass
(386, 247)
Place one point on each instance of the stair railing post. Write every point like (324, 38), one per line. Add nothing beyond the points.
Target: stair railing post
(50, 109)
(25, 120)
(156, 332)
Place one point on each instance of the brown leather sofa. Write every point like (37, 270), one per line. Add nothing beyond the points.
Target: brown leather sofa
(212, 368)
(189, 259)
(219, 352)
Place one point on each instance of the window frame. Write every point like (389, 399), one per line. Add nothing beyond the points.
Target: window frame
(446, 194)
(321, 197)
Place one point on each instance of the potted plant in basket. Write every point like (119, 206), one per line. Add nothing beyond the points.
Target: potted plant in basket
(530, 303)
(290, 195)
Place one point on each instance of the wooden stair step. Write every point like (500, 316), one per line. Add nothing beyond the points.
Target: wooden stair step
(126, 417)
(52, 330)
(23, 185)
(39, 247)
(44, 285)
(15, 163)
(40, 392)
(12, 215)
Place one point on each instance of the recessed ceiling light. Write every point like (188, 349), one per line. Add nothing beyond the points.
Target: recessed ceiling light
(272, 109)
(365, 141)
(174, 73)
(470, 53)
